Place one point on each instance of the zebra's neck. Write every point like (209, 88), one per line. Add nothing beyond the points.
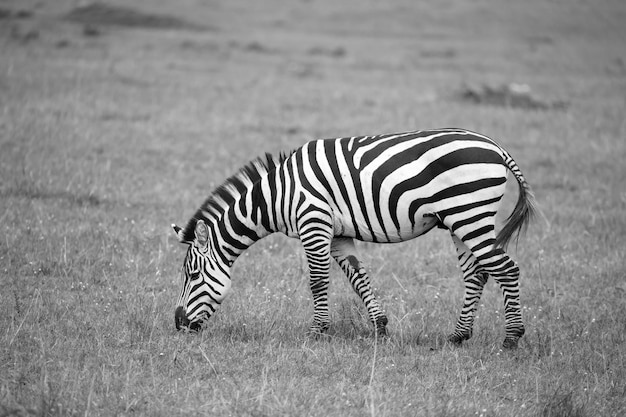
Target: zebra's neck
(238, 212)
(242, 223)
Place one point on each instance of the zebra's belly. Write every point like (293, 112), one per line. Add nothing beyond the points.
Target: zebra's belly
(372, 231)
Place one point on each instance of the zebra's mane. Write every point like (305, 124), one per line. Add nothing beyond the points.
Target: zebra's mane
(233, 187)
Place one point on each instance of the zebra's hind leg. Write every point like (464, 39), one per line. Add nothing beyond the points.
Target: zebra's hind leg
(506, 273)
(474, 280)
(345, 253)
(477, 234)
(495, 262)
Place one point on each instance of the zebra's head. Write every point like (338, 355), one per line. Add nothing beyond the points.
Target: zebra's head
(205, 280)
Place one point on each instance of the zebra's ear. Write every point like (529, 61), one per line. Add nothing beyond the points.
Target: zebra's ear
(179, 233)
(201, 233)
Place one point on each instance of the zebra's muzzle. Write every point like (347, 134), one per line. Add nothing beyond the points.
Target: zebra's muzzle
(180, 318)
(183, 323)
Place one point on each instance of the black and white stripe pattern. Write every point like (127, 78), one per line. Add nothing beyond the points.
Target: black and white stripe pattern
(386, 188)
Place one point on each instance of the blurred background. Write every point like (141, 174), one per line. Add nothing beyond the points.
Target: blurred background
(118, 118)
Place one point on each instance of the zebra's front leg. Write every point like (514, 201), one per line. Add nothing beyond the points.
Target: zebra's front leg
(321, 319)
(316, 242)
(344, 252)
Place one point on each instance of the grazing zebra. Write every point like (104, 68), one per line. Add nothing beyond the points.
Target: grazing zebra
(385, 188)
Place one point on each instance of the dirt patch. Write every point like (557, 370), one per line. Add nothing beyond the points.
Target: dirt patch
(508, 95)
(337, 52)
(103, 14)
(33, 192)
(6, 14)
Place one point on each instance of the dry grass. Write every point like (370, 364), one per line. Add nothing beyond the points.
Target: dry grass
(108, 134)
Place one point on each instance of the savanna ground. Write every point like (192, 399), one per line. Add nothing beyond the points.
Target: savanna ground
(115, 123)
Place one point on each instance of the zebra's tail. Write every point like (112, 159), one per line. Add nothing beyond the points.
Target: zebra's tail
(525, 209)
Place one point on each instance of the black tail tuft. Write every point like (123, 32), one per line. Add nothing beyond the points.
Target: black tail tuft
(525, 210)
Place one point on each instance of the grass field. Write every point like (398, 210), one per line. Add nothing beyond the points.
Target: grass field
(114, 124)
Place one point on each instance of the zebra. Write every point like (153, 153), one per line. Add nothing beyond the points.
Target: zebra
(384, 189)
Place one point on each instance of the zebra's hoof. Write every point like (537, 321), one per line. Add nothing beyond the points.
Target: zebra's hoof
(381, 331)
(317, 330)
(381, 327)
(510, 342)
(457, 339)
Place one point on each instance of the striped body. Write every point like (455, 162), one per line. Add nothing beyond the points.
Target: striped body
(387, 188)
